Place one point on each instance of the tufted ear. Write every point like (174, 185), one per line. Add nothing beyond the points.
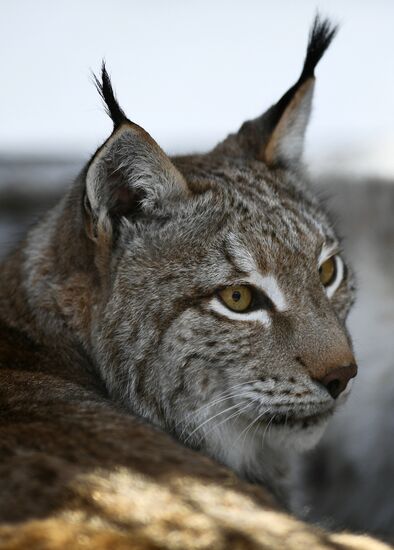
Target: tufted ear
(277, 136)
(128, 174)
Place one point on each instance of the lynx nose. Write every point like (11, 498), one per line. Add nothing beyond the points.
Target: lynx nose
(337, 380)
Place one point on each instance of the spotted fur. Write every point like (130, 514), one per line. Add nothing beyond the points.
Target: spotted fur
(237, 386)
(116, 293)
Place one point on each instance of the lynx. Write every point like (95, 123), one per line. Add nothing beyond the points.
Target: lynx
(172, 330)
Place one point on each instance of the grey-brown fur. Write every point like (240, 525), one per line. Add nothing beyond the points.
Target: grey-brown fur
(120, 282)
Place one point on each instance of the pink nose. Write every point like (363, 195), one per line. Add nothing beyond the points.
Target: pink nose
(337, 379)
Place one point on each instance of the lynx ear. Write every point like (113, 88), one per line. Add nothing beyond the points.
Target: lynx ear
(277, 136)
(129, 173)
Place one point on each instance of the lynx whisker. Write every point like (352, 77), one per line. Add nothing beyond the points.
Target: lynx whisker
(220, 398)
(210, 420)
(266, 428)
(245, 430)
(287, 416)
(234, 415)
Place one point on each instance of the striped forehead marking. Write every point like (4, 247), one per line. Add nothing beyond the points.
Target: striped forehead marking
(241, 257)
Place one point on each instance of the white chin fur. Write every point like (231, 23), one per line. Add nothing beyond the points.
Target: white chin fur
(296, 438)
(258, 452)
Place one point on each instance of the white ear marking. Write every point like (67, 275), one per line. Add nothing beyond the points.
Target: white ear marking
(287, 140)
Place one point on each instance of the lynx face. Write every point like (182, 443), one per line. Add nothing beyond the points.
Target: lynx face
(226, 292)
(188, 361)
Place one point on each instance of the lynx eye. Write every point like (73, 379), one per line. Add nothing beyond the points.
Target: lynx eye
(328, 271)
(237, 298)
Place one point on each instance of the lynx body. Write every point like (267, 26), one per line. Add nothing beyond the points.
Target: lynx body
(203, 296)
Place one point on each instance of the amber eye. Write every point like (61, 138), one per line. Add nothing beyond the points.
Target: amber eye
(327, 271)
(237, 298)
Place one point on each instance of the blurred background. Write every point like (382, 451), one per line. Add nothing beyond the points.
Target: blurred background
(190, 73)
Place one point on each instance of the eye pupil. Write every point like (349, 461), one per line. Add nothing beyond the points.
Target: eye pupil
(236, 296)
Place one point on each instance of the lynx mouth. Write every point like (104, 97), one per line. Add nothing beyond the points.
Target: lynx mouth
(293, 419)
(303, 422)
(287, 417)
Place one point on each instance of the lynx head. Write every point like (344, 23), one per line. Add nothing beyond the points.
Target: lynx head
(222, 290)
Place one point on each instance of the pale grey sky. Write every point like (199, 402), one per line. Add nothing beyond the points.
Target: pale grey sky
(190, 72)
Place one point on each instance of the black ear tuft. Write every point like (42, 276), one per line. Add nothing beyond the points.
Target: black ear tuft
(320, 37)
(104, 88)
(277, 136)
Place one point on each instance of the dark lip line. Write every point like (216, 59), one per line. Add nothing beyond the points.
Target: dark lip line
(280, 419)
(290, 420)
